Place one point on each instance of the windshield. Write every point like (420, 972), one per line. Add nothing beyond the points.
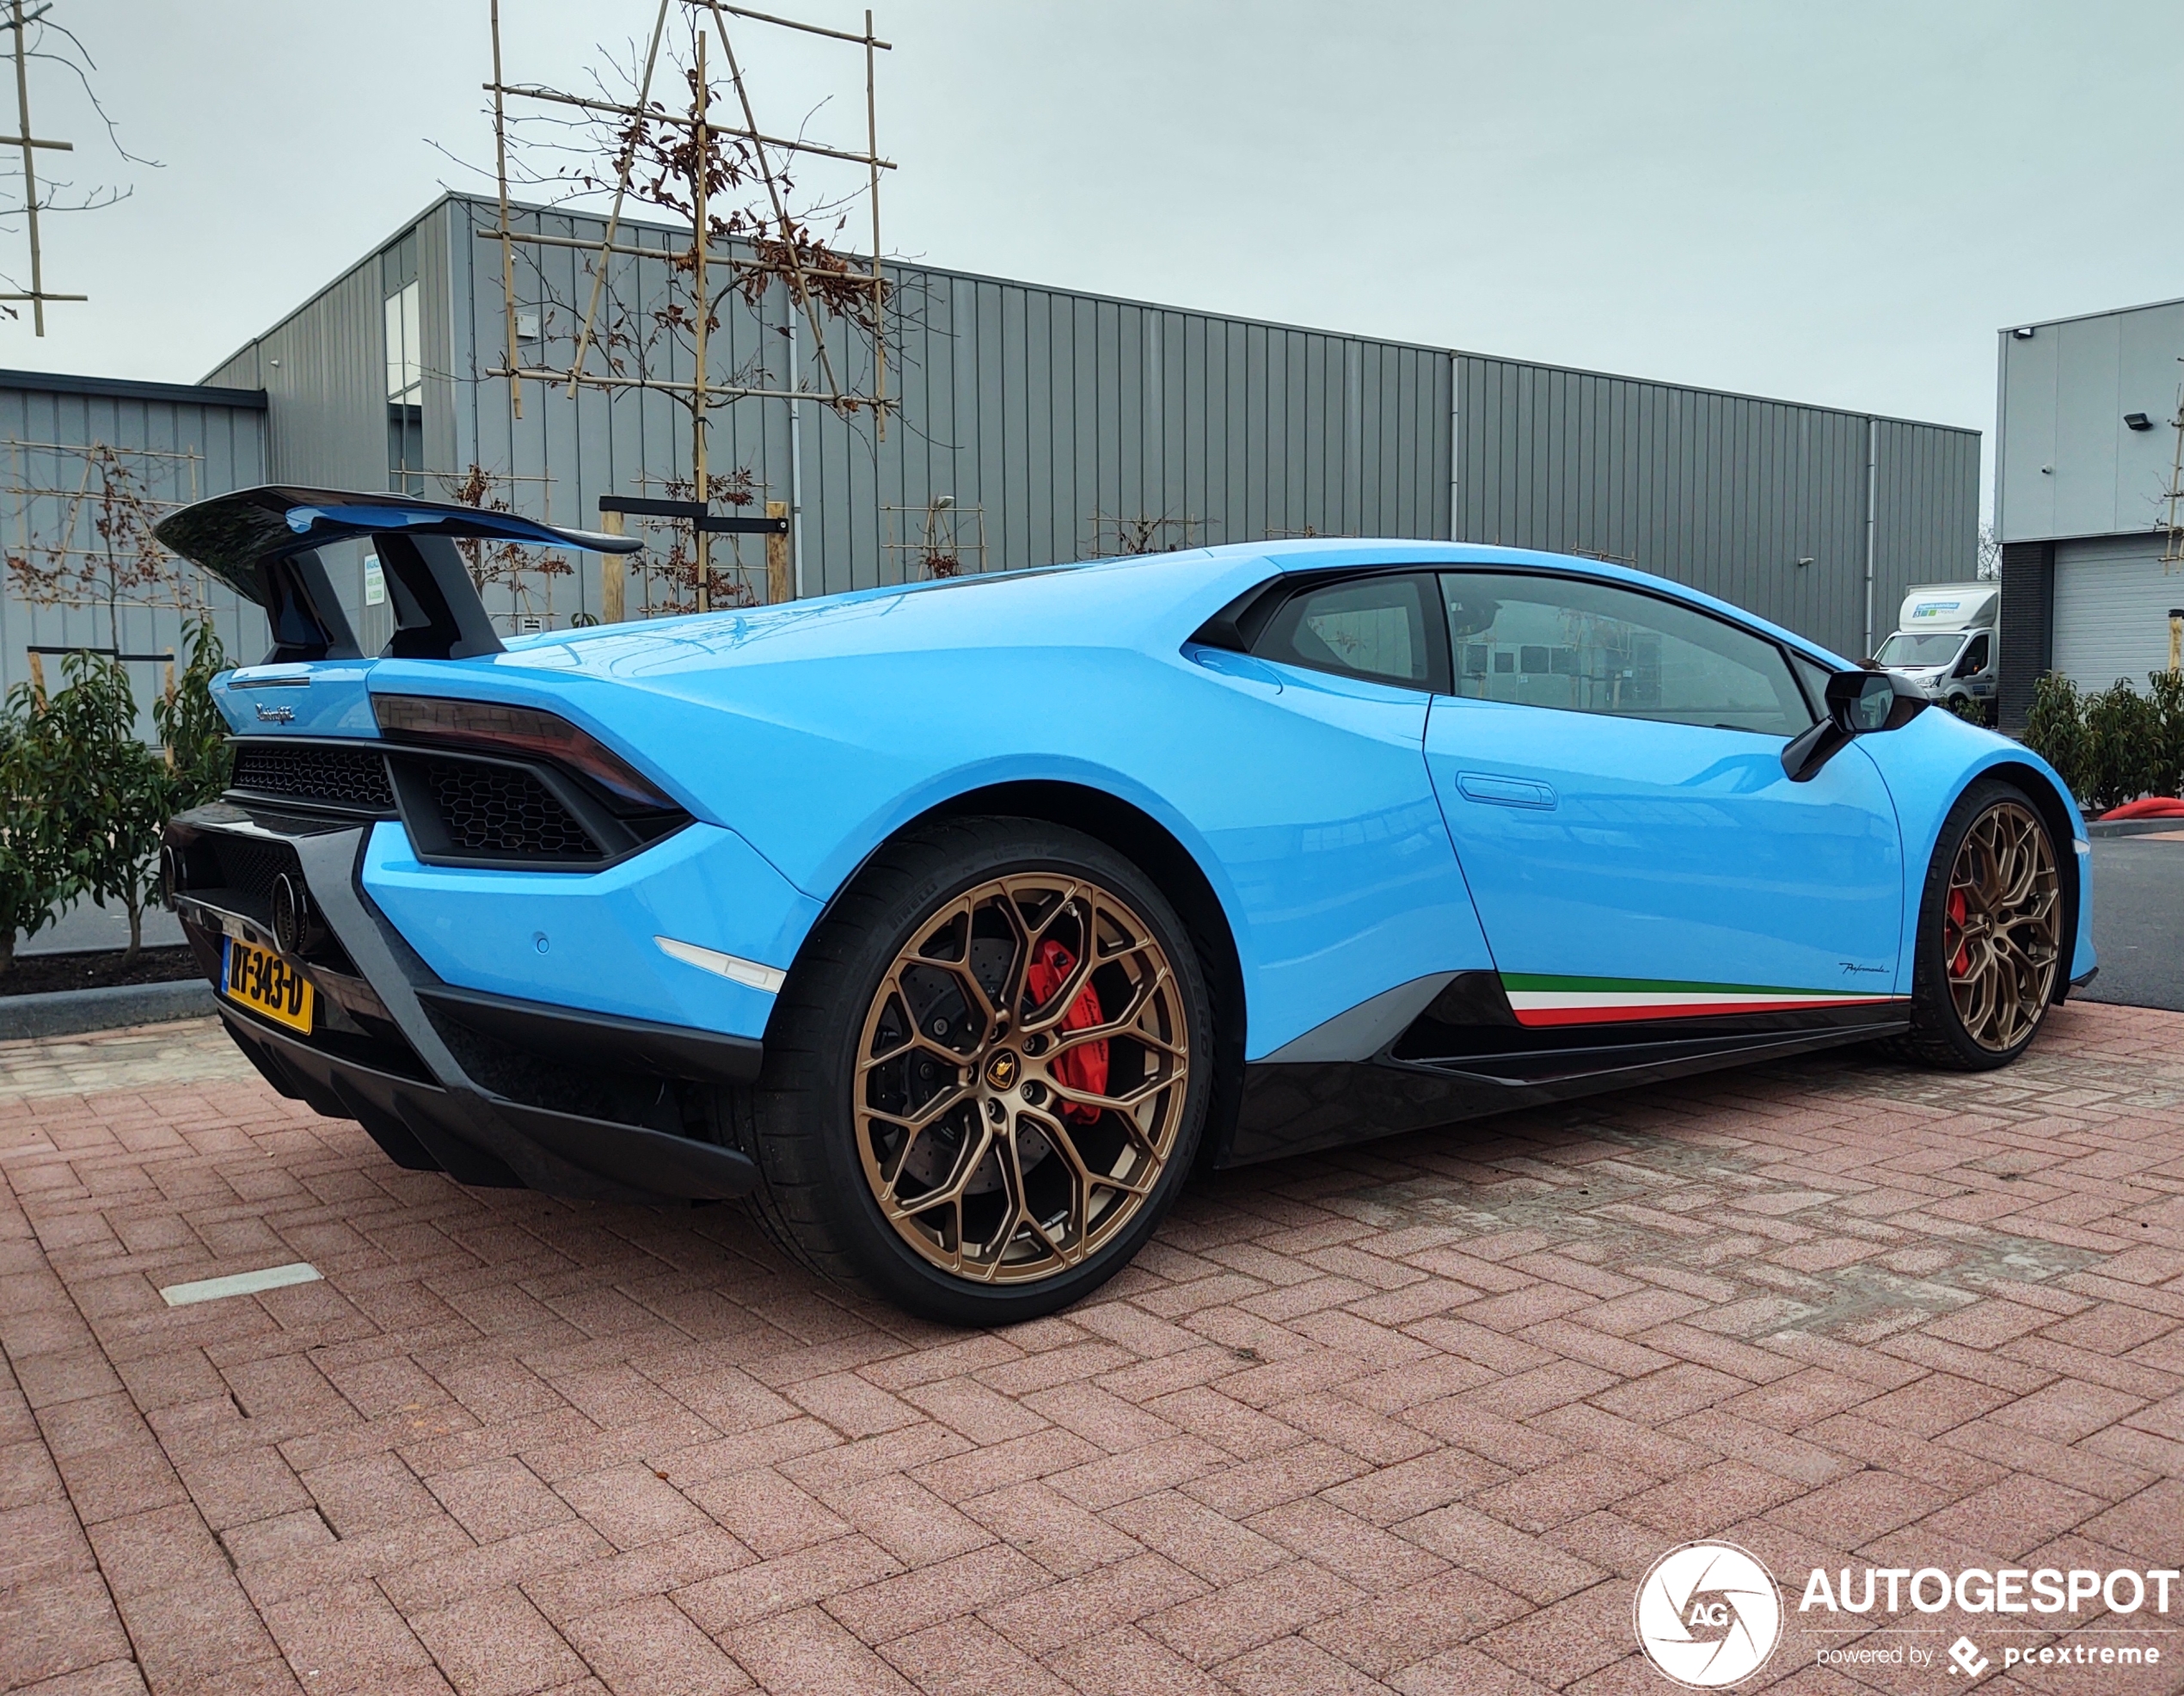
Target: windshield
(1927, 647)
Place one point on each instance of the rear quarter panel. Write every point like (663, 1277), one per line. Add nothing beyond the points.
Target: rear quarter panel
(1307, 804)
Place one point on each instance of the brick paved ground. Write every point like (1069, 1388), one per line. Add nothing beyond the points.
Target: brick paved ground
(1410, 1417)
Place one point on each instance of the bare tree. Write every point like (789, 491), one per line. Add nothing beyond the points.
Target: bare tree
(37, 37)
(759, 232)
(510, 565)
(94, 546)
(1114, 533)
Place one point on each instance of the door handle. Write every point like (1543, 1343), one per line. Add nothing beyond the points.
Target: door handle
(1497, 792)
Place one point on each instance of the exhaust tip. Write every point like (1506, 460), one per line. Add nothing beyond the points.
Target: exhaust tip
(292, 910)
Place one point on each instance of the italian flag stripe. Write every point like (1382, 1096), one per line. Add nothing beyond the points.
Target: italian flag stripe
(1545, 1000)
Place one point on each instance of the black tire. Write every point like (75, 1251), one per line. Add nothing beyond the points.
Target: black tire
(802, 1122)
(1939, 1035)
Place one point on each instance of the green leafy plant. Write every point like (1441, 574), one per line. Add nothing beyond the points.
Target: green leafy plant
(2122, 729)
(190, 726)
(2055, 730)
(37, 872)
(106, 792)
(2165, 691)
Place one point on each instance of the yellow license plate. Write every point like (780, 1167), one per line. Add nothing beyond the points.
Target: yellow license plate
(266, 983)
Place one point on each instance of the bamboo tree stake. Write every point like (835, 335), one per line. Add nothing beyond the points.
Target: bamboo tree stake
(29, 171)
(507, 246)
(19, 21)
(614, 216)
(701, 393)
(614, 576)
(701, 539)
(879, 288)
(781, 209)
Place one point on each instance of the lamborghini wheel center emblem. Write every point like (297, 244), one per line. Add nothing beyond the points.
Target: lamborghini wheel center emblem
(1002, 1069)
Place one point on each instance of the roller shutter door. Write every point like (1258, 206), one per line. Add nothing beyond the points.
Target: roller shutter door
(2112, 602)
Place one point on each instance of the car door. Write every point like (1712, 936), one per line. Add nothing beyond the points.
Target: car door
(1608, 762)
(1360, 915)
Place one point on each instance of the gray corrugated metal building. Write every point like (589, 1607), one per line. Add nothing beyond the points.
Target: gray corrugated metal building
(2085, 445)
(68, 441)
(1055, 421)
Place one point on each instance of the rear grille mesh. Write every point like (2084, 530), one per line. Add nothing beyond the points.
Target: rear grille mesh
(501, 810)
(248, 867)
(345, 776)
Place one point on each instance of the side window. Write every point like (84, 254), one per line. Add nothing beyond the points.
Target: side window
(1975, 657)
(1581, 646)
(1814, 676)
(1366, 627)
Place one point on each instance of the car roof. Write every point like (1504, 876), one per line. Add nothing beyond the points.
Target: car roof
(1136, 598)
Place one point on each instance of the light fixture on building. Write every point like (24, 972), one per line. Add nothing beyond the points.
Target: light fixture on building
(2023, 332)
(1806, 559)
(2138, 421)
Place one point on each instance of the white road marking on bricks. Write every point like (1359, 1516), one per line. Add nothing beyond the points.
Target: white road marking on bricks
(241, 1283)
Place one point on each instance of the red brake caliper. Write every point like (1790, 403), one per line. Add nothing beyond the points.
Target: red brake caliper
(1085, 1067)
(1960, 962)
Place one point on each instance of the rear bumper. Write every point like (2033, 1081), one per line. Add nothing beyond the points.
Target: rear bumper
(491, 1089)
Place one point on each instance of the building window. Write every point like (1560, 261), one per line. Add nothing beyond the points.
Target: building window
(405, 367)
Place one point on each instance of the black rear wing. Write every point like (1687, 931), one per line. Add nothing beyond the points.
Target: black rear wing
(263, 543)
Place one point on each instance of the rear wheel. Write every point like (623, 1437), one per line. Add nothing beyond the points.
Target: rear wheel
(1989, 939)
(987, 1077)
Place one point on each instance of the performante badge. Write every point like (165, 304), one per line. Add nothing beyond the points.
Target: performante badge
(1707, 1614)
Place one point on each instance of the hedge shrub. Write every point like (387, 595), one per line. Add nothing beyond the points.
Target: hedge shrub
(82, 802)
(2113, 746)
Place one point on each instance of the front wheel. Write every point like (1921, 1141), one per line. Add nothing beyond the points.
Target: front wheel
(1989, 940)
(987, 1077)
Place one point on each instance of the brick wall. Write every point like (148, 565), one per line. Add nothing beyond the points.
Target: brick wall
(2028, 627)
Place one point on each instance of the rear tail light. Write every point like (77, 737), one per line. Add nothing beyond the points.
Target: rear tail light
(490, 728)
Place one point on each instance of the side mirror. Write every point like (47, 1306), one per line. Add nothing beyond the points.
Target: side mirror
(1857, 703)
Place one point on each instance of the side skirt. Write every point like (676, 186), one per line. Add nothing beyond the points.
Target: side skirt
(1297, 1108)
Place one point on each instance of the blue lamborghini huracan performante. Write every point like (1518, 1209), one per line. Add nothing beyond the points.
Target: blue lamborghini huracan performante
(955, 925)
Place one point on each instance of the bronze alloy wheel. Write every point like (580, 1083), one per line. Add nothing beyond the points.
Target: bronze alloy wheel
(2001, 926)
(1021, 1078)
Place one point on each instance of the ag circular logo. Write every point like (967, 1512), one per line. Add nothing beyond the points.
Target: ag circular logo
(1707, 1614)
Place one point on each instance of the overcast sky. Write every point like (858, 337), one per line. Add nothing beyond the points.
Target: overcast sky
(1837, 203)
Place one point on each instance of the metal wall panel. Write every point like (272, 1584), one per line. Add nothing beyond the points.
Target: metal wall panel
(176, 452)
(1051, 416)
(1060, 421)
(324, 371)
(1762, 502)
(1926, 514)
(2088, 381)
(2113, 599)
(2067, 465)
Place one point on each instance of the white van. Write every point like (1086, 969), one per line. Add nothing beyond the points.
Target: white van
(1947, 642)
